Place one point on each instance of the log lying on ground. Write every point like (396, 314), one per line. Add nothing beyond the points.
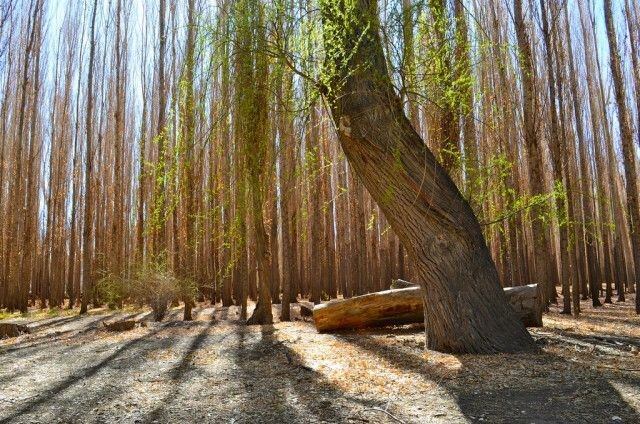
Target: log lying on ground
(11, 329)
(404, 306)
(125, 325)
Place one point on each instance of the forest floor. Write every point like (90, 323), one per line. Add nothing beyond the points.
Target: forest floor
(216, 370)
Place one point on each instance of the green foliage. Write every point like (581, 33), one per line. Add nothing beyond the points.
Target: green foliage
(489, 191)
(447, 81)
(343, 31)
(153, 284)
(113, 290)
(156, 285)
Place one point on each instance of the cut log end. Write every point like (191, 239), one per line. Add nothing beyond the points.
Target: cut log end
(527, 302)
(306, 309)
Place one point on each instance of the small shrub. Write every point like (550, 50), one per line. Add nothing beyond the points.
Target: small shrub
(156, 286)
(113, 290)
(152, 283)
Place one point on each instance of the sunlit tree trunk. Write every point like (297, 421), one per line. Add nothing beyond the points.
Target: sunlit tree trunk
(87, 231)
(628, 150)
(465, 308)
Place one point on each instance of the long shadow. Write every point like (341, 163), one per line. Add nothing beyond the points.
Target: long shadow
(550, 391)
(81, 375)
(51, 322)
(273, 375)
(606, 341)
(11, 377)
(112, 389)
(178, 373)
(91, 324)
(38, 341)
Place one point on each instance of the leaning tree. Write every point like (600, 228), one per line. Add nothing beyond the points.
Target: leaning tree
(465, 309)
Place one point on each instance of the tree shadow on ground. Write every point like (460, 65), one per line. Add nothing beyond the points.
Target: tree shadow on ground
(280, 388)
(528, 388)
(607, 341)
(51, 322)
(178, 373)
(47, 394)
(36, 341)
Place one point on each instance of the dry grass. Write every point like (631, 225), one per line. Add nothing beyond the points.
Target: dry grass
(218, 370)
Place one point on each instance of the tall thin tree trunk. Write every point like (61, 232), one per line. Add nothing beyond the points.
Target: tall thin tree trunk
(534, 151)
(557, 156)
(587, 232)
(628, 151)
(87, 232)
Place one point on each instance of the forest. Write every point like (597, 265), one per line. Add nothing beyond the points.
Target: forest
(319, 211)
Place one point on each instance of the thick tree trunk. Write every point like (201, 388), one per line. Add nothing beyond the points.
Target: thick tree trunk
(404, 306)
(465, 308)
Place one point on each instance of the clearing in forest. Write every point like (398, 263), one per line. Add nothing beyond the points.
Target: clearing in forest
(215, 369)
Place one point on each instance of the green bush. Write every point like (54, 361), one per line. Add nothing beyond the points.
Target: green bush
(153, 284)
(113, 290)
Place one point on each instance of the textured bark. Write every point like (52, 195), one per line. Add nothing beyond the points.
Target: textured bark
(629, 163)
(558, 158)
(534, 152)
(404, 306)
(255, 157)
(592, 276)
(87, 232)
(466, 311)
(188, 262)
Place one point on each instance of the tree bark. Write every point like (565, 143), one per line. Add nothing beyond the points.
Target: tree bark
(534, 153)
(559, 164)
(466, 311)
(629, 163)
(87, 232)
(591, 270)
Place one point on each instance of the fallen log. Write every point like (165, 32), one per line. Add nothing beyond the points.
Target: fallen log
(125, 325)
(404, 306)
(11, 329)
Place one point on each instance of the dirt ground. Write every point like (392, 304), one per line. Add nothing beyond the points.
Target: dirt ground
(216, 370)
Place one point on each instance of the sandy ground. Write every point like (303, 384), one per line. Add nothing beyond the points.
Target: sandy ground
(216, 370)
